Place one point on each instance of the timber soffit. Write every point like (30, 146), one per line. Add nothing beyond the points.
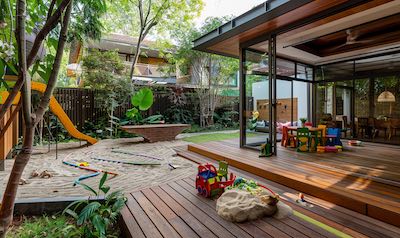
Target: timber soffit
(259, 14)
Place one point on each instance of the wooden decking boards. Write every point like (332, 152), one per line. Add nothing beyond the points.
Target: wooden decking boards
(363, 179)
(176, 210)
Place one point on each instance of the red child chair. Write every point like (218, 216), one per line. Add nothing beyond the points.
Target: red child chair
(287, 138)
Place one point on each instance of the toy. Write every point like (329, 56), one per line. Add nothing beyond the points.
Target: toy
(84, 164)
(83, 177)
(354, 142)
(265, 149)
(123, 162)
(320, 149)
(208, 183)
(301, 198)
(303, 139)
(339, 148)
(136, 154)
(223, 170)
(330, 149)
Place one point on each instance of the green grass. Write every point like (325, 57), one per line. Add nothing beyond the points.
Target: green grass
(46, 226)
(214, 137)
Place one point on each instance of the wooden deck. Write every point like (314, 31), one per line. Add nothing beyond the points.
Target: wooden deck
(176, 210)
(364, 179)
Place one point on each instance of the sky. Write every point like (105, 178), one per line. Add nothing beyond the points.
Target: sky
(219, 8)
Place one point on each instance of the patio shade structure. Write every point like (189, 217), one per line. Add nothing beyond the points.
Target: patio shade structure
(308, 51)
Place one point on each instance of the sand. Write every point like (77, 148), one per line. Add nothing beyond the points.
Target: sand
(237, 205)
(130, 177)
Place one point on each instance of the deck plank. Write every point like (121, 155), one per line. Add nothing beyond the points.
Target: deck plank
(131, 227)
(346, 189)
(202, 215)
(351, 224)
(155, 216)
(192, 221)
(175, 221)
(146, 225)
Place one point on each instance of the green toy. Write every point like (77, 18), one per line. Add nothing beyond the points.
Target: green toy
(265, 149)
(303, 139)
(223, 170)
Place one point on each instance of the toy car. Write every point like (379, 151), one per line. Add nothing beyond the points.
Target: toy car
(208, 183)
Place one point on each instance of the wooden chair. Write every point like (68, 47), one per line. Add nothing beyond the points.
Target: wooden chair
(380, 125)
(287, 138)
(362, 126)
(323, 134)
(303, 139)
(394, 126)
(346, 127)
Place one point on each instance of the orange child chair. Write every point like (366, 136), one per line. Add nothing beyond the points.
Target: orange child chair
(287, 138)
(323, 134)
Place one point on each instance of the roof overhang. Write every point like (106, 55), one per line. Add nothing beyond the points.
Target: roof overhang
(276, 17)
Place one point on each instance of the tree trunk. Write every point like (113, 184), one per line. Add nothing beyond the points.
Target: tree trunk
(74, 51)
(137, 53)
(7, 205)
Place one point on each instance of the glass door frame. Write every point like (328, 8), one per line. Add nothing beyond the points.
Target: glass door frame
(271, 92)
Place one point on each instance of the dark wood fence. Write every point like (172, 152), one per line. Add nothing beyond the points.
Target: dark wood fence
(80, 104)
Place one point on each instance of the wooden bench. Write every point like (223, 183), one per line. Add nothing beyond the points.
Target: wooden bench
(157, 132)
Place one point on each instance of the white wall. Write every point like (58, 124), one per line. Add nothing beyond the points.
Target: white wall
(260, 91)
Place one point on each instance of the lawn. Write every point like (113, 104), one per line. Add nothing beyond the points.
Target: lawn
(214, 137)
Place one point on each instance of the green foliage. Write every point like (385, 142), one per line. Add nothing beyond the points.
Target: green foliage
(97, 218)
(105, 71)
(143, 99)
(226, 119)
(45, 226)
(86, 20)
(214, 137)
(123, 16)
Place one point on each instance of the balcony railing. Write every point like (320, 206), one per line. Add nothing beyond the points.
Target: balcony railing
(150, 70)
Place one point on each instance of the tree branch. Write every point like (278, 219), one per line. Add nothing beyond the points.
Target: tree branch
(22, 73)
(45, 100)
(51, 8)
(50, 24)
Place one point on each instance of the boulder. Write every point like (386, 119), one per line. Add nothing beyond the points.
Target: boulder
(238, 205)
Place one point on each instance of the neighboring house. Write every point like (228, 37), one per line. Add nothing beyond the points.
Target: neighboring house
(151, 68)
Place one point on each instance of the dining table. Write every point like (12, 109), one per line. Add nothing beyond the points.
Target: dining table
(313, 130)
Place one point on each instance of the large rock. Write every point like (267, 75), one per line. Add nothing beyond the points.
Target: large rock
(238, 205)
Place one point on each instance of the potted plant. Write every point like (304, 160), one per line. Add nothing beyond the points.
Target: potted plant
(303, 121)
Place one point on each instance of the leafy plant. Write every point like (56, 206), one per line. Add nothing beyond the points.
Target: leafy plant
(142, 101)
(46, 226)
(95, 217)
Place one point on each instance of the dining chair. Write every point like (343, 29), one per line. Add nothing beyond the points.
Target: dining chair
(346, 127)
(380, 125)
(394, 126)
(323, 134)
(333, 137)
(303, 139)
(362, 126)
(287, 138)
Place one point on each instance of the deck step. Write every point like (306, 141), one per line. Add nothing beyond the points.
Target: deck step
(383, 208)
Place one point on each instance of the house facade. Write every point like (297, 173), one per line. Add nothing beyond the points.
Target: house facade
(326, 62)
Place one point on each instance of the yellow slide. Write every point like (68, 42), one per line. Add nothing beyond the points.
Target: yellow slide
(56, 108)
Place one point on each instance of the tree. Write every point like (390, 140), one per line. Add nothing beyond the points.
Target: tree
(211, 73)
(148, 15)
(104, 71)
(85, 25)
(51, 25)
